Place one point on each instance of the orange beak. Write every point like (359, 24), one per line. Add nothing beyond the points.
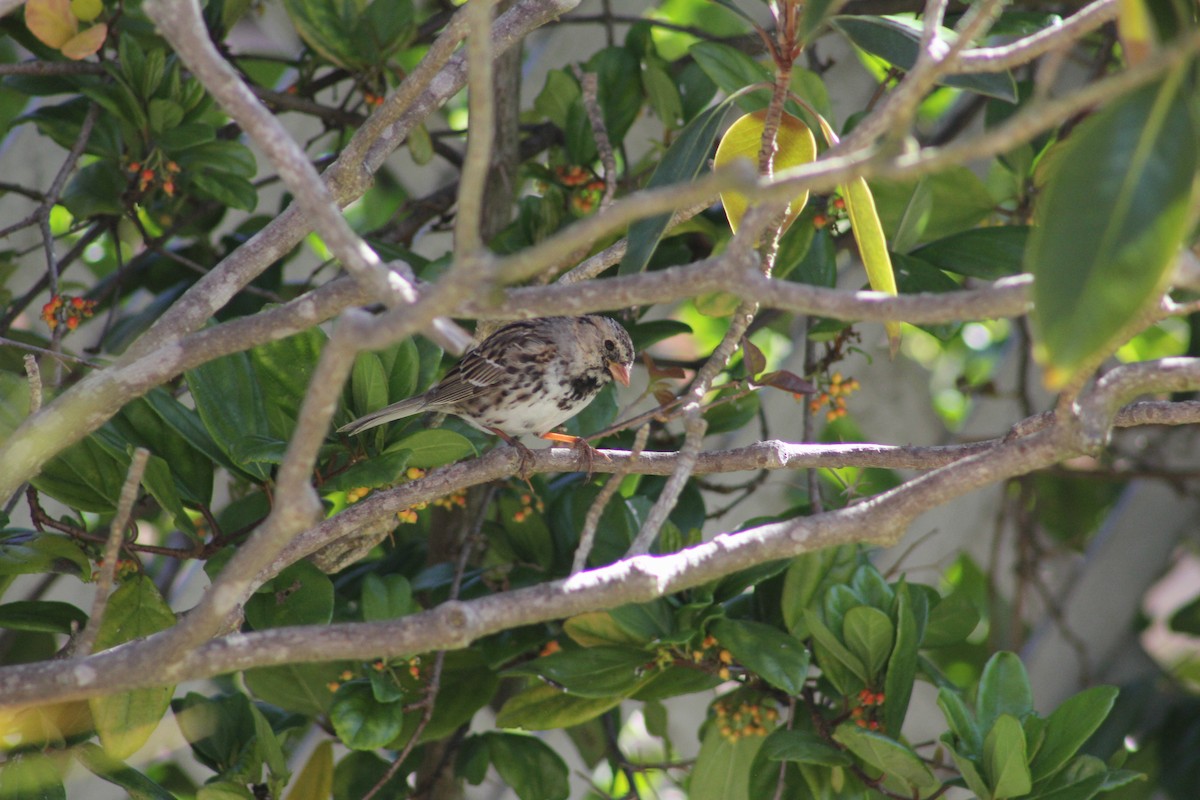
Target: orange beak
(620, 372)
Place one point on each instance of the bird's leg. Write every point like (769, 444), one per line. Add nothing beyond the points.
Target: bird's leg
(580, 444)
(523, 452)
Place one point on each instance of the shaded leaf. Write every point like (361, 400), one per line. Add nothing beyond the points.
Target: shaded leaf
(1110, 222)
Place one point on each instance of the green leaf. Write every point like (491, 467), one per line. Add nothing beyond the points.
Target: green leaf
(187, 423)
(118, 773)
(190, 469)
(302, 688)
(49, 616)
(284, 368)
(1069, 726)
(164, 115)
(230, 403)
(1004, 761)
(816, 13)
(528, 766)
(731, 70)
(27, 553)
(233, 191)
(985, 253)
(31, 776)
(618, 89)
(436, 447)
(682, 162)
(557, 96)
(186, 136)
(386, 597)
(95, 190)
(970, 773)
(732, 415)
(219, 160)
(723, 766)
(299, 595)
(869, 634)
(368, 383)
(776, 657)
(897, 762)
(960, 201)
(834, 658)
(662, 91)
(1110, 222)
(804, 747)
(902, 664)
(898, 44)
(915, 217)
(358, 773)
(960, 721)
(1003, 689)
(806, 578)
(360, 721)
(316, 776)
(546, 707)
(86, 476)
(598, 672)
(386, 469)
(950, 621)
(125, 721)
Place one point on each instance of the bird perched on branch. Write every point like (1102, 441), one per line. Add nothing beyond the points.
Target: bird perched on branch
(527, 377)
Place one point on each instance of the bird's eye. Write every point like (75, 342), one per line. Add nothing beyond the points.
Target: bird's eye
(609, 344)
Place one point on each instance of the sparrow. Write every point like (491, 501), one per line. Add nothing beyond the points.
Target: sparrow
(527, 377)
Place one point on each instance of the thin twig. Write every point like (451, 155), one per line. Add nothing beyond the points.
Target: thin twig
(112, 552)
(35, 382)
(591, 104)
(592, 522)
(467, 237)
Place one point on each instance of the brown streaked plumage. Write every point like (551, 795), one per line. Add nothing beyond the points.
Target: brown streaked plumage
(527, 377)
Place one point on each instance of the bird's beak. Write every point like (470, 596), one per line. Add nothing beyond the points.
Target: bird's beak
(620, 372)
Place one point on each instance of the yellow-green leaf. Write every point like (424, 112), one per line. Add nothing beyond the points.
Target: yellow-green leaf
(316, 779)
(1136, 30)
(795, 145)
(872, 246)
(125, 721)
(85, 43)
(86, 10)
(51, 21)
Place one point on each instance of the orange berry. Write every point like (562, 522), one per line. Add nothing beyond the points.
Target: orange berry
(820, 220)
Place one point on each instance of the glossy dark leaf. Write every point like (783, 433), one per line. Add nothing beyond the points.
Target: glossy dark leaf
(529, 766)
(682, 162)
(985, 253)
(778, 658)
(49, 616)
(897, 43)
(1110, 222)
(300, 595)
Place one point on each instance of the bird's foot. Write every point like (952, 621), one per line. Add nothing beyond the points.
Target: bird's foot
(581, 446)
(524, 455)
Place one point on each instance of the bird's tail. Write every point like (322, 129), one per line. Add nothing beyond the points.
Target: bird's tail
(404, 408)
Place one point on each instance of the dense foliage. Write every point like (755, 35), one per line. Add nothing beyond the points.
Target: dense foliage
(400, 614)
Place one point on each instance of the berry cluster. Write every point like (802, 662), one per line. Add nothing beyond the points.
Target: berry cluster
(836, 213)
(151, 175)
(743, 718)
(66, 310)
(834, 396)
(529, 504)
(865, 714)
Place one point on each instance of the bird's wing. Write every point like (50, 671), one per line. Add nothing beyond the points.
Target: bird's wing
(511, 347)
